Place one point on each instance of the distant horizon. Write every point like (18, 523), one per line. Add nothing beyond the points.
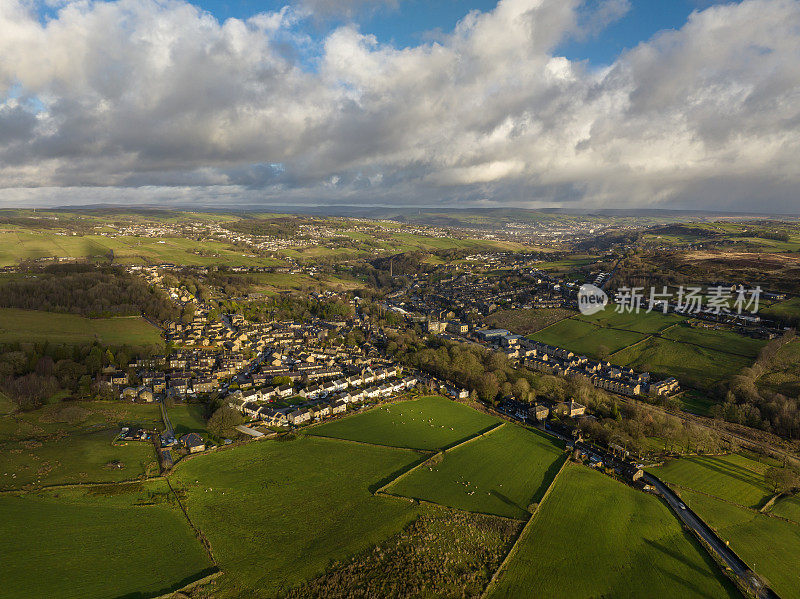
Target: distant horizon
(322, 208)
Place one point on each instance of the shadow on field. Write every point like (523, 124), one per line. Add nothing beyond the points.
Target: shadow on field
(736, 471)
(685, 563)
(399, 472)
(547, 480)
(483, 431)
(695, 592)
(172, 588)
(508, 501)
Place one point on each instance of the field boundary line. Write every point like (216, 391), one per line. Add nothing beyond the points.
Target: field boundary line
(199, 533)
(191, 585)
(647, 337)
(478, 435)
(368, 444)
(657, 334)
(770, 503)
(523, 533)
(432, 504)
(88, 484)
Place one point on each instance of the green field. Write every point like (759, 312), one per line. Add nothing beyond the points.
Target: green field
(443, 553)
(26, 244)
(768, 545)
(694, 366)
(500, 473)
(695, 402)
(66, 546)
(278, 512)
(698, 358)
(78, 458)
(36, 327)
(643, 322)
(427, 423)
(724, 341)
(731, 477)
(594, 537)
(783, 375)
(188, 418)
(788, 309)
(568, 264)
(787, 507)
(65, 418)
(365, 244)
(586, 339)
(72, 442)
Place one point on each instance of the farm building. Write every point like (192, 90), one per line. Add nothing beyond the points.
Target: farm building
(193, 443)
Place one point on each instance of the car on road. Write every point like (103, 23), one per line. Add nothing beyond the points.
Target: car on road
(680, 505)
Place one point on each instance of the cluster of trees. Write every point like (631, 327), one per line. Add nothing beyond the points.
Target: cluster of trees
(776, 234)
(288, 307)
(232, 284)
(638, 426)
(223, 422)
(747, 403)
(86, 290)
(32, 373)
(782, 480)
(274, 227)
(486, 373)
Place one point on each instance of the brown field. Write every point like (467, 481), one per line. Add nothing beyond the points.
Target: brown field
(525, 322)
(744, 259)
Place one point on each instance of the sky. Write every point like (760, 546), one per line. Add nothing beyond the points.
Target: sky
(680, 104)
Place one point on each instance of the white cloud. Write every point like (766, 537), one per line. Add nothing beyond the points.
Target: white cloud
(160, 95)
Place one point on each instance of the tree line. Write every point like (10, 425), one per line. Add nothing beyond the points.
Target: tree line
(32, 373)
(748, 403)
(88, 291)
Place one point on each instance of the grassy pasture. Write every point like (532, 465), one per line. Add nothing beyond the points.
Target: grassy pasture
(428, 423)
(787, 507)
(595, 537)
(395, 242)
(643, 322)
(768, 545)
(789, 308)
(26, 244)
(695, 366)
(187, 418)
(61, 419)
(731, 477)
(784, 373)
(35, 327)
(77, 458)
(585, 338)
(724, 341)
(69, 548)
(500, 473)
(568, 264)
(695, 402)
(278, 512)
(71, 442)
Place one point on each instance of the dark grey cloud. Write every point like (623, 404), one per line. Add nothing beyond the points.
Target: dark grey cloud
(137, 97)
